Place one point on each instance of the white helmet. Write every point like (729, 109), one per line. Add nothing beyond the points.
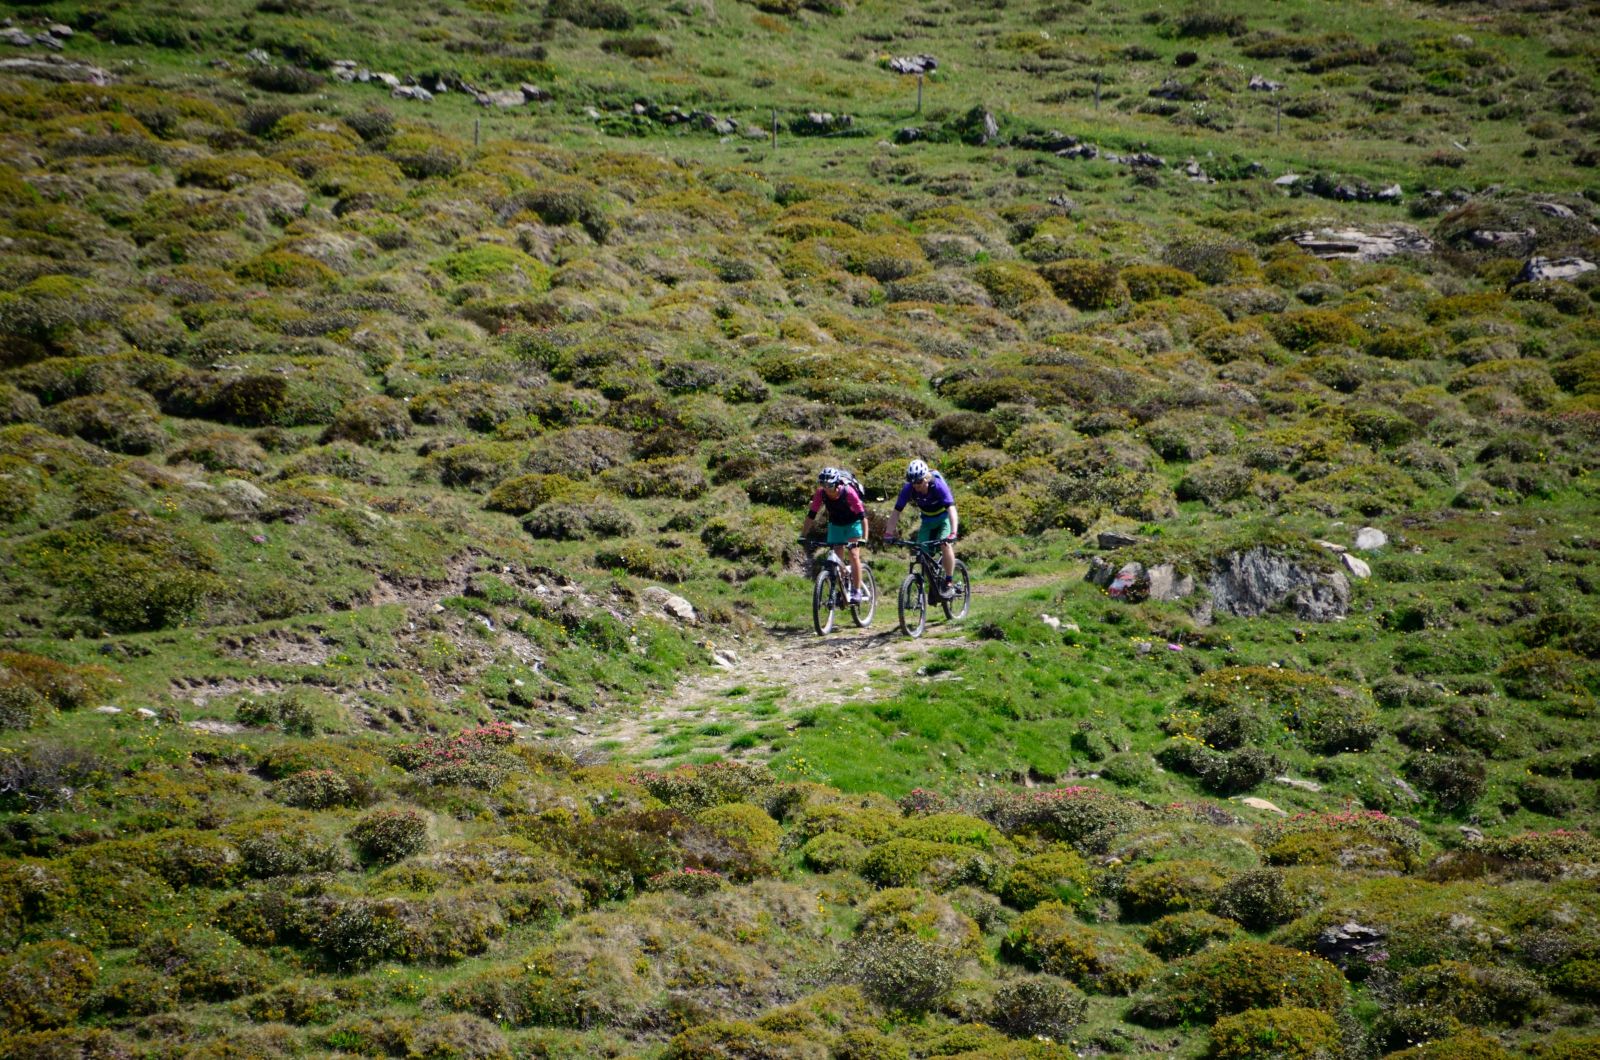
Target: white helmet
(830, 476)
(917, 470)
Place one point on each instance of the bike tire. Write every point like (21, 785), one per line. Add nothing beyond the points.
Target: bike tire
(862, 613)
(955, 608)
(913, 606)
(823, 596)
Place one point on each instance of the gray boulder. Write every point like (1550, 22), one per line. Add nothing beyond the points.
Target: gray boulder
(1115, 539)
(1163, 582)
(671, 604)
(1370, 539)
(1554, 269)
(1258, 580)
(1357, 244)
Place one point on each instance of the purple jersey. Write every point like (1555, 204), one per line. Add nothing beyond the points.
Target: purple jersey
(935, 501)
(842, 512)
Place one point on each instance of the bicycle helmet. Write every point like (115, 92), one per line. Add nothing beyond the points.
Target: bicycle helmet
(830, 476)
(917, 470)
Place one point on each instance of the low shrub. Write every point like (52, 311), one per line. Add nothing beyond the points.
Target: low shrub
(1279, 1033)
(1164, 887)
(1048, 939)
(1033, 1006)
(1366, 839)
(370, 421)
(912, 912)
(914, 862)
(1474, 994)
(1226, 980)
(1454, 781)
(1303, 329)
(1259, 899)
(283, 845)
(696, 788)
(386, 836)
(1087, 819)
(203, 964)
(1057, 875)
(1087, 284)
(43, 985)
(322, 789)
(1180, 934)
(901, 972)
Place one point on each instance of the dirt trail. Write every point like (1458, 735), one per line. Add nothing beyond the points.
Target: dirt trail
(790, 670)
(794, 670)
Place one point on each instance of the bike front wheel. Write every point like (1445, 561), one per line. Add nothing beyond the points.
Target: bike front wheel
(913, 606)
(824, 600)
(862, 612)
(955, 608)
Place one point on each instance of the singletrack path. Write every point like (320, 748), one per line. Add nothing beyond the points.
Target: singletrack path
(787, 671)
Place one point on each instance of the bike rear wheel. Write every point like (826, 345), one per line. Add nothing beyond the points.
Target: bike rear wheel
(913, 606)
(955, 608)
(824, 600)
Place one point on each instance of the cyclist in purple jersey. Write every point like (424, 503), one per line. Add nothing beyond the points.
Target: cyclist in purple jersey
(931, 493)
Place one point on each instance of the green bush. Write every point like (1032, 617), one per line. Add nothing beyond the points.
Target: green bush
(283, 845)
(203, 964)
(370, 421)
(1342, 840)
(669, 477)
(901, 972)
(1032, 1006)
(915, 913)
(1454, 781)
(571, 521)
(1280, 1033)
(1474, 994)
(1057, 875)
(914, 862)
(1169, 887)
(1226, 980)
(1146, 282)
(1048, 939)
(1011, 284)
(286, 268)
(1543, 673)
(1259, 899)
(386, 836)
(1087, 284)
(1303, 329)
(1181, 934)
(43, 985)
(732, 1038)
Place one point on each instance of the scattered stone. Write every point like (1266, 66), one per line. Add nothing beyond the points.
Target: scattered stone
(1144, 647)
(1357, 567)
(1262, 804)
(108, 710)
(1331, 547)
(259, 57)
(60, 29)
(1348, 943)
(1363, 245)
(820, 123)
(533, 93)
(1370, 539)
(1556, 209)
(416, 92)
(1288, 180)
(48, 41)
(215, 727)
(17, 37)
(914, 64)
(1392, 193)
(1493, 239)
(724, 659)
(1050, 620)
(1296, 782)
(1554, 269)
(51, 68)
(1083, 151)
(1261, 84)
(1109, 539)
(146, 712)
(505, 100)
(388, 79)
(672, 604)
(1470, 834)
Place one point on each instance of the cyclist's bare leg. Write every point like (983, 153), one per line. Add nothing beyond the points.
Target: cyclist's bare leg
(855, 568)
(949, 560)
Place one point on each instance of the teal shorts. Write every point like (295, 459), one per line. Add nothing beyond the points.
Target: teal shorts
(934, 527)
(844, 533)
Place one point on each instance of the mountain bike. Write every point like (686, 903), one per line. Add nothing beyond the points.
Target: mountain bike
(830, 591)
(927, 574)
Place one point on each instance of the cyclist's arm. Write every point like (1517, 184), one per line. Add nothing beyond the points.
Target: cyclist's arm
(954, 521)
(894, 521)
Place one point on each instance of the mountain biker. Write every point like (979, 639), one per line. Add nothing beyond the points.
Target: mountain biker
(847, 515)
(937, 504)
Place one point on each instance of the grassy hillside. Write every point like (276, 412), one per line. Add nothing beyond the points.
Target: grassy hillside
(350, 442)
